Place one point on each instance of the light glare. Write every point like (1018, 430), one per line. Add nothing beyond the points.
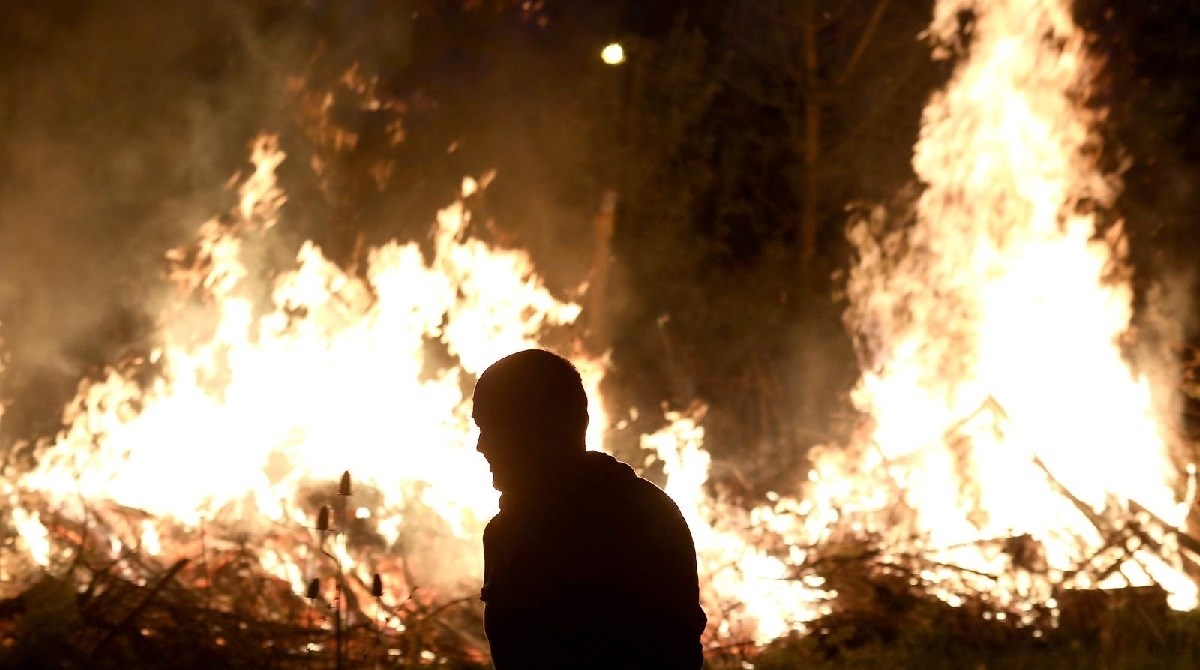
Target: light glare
(613, 54)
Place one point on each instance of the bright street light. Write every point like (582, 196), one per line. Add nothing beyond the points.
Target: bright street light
(613, 54)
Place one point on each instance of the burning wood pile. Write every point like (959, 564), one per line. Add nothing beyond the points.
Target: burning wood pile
(1012, 478)
(120, 597)
(143, 554)
(872, 578)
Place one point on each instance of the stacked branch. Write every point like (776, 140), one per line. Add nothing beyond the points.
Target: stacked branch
(882, 592)
(107, 602)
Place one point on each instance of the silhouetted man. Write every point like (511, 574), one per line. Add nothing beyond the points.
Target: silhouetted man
(587, 565)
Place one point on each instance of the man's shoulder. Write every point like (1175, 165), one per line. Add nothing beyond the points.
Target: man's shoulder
(637, 503)
(656, 498)
(660, 509)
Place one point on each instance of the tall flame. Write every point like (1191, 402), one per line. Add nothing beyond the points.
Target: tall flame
(991, 324)
(253, 412)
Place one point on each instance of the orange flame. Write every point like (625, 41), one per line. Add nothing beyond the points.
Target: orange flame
(335, 376)
(992, 322)
(253, 409)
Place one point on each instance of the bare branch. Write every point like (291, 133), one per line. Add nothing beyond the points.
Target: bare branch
(865, 39)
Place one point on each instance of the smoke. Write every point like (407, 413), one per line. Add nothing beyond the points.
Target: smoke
(1164, 321)
(122, 122)
(1151, 94)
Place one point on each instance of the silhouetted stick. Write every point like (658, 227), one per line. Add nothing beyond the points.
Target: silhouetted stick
(1102, 527)
(1186, 541)
(927, 562)
(141, 606)
(1066, 493)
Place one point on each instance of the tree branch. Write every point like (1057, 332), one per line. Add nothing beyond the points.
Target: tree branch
(861, 46)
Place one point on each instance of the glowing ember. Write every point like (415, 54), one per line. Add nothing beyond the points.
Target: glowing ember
(990, 326)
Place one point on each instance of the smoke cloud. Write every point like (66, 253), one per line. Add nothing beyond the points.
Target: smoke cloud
(122, 122)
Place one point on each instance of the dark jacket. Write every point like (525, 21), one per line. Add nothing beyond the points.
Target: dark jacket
(599, 571)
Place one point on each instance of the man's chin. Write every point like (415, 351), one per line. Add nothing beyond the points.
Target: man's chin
(498, 483)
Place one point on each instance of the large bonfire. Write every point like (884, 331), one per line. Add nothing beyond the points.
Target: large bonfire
(250, 415)
(990, 331)
(996, 398)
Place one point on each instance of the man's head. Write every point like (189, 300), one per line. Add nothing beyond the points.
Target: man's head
(531, 410)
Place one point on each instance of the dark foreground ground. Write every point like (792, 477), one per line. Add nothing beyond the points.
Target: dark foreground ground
(1130, 642)
(1128, 639)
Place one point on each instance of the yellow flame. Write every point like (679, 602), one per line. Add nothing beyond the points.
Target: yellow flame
(336, 376)
(366, 374)
(992, 323)
(33, 535)
(755, 592)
